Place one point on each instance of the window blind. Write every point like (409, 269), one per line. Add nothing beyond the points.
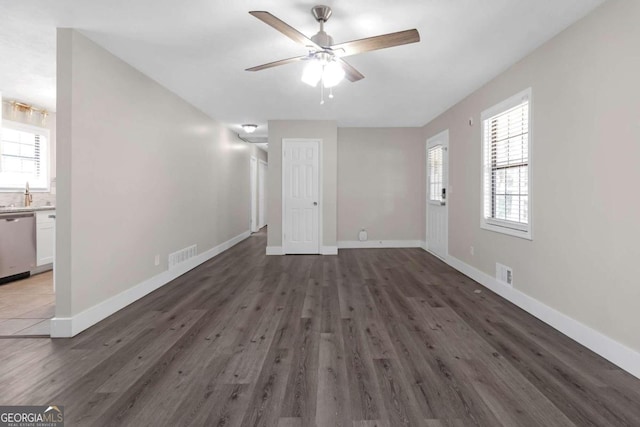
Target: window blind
(23, 158)
(506, 169)
(435, 165)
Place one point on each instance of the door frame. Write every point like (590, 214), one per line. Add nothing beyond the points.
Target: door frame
(262, 182)
(286, 141)
(444, 137)
(253, 177)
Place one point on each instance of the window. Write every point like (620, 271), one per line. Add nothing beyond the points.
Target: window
(24, 157)
(434, 161)
(506, 144)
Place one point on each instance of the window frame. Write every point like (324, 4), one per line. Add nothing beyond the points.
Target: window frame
(24, 127)
(439, 201)
(497, 225)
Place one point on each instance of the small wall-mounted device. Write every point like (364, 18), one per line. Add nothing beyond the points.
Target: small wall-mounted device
(362, 235)
(470, 121)
(504, 274)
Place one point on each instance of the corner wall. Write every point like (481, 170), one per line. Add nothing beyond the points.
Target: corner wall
(381, 186)
(583, 260)
(140, 173)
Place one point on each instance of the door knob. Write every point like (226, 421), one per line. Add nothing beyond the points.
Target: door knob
(315, 203)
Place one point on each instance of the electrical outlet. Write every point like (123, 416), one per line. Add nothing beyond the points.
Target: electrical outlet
(472, 250)
(157, 260)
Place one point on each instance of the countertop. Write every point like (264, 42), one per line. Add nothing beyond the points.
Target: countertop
(7, 209)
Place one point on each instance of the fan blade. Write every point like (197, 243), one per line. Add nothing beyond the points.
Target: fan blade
(276, 63)
(375, 43)
(286, 29)
(351, 73)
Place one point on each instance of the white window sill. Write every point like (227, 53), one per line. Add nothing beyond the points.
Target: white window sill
(507, 229)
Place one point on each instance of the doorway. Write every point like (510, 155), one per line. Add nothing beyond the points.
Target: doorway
(301, 196)
(262, 194)
(253, 177)
(437, 194)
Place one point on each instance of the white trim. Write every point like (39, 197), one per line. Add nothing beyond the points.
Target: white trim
(615, 352)
(65, 327)
(491, 224)
(275, 250)
(356, 244)
(42, 268)
(328, 250)
(320, 188)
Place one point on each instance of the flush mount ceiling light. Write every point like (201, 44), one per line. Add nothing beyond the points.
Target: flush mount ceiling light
(248, 128)
(325, 58)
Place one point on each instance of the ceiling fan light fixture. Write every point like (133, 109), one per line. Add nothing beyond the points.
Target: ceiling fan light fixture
(333, 74)
(312, 73)
(249, 128)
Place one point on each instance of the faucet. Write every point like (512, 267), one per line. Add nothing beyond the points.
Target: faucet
(28, 197)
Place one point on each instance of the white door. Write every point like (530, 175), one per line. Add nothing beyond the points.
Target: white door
(253, 176)
(301, 196)
(262, 195)
(437, 194)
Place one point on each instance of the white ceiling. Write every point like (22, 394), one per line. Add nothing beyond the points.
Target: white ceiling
(199, 49)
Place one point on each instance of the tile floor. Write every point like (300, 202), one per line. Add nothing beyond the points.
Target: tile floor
(27, 305)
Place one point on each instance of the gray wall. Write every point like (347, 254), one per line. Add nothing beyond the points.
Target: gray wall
(140, 172)
(327, 131)
(381, 183)
(583, 260)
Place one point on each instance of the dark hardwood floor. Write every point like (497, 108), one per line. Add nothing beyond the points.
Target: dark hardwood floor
(373, 337)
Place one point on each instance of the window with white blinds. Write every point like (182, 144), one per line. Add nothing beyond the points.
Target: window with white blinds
(506, 143)
(24, 157)
(435, 166)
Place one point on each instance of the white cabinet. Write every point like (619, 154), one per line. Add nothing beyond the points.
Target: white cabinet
(45, 234)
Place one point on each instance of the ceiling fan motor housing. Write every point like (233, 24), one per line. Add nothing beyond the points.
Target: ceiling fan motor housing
(323, 39)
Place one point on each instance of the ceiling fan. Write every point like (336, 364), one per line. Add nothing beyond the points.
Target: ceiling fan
(326, 61)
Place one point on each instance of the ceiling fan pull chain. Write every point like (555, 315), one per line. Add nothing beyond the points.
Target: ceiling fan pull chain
(321, 93)
(331, 92)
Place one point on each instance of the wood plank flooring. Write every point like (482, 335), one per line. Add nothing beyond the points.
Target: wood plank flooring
(372, 337)
(27, 305)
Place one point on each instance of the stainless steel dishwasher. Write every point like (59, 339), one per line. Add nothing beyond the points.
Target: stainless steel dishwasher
(17, 244)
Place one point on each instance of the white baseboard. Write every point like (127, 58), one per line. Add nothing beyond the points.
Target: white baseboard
(356, 244)
(615, 352)
(275, 250)
(42, 268)
(64, 327)
(329, 250)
